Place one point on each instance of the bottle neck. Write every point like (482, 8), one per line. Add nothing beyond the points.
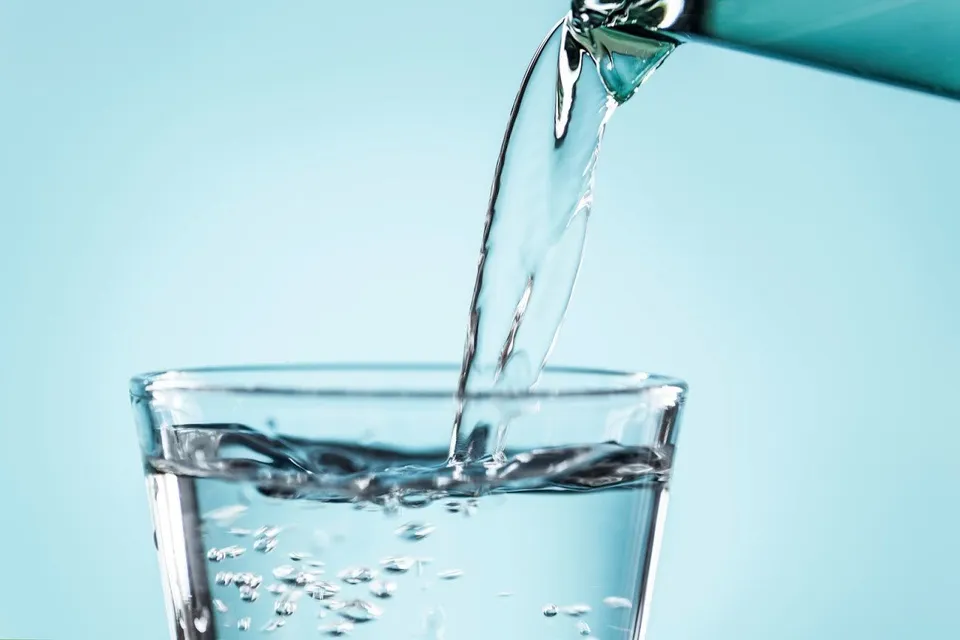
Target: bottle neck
(910, 44)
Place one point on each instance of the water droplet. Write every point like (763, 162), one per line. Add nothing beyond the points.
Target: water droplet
(383, 589)
(219, 605)
(224, 578)
(276, 588)
(577, 610)
(361, 611)
(271, 424)
(583, 628)
(274, 624)
(322, 590)
(216, 555)
(236, 531)
(224, 516)
(233, 551)
(297, 556)
(339, 629)
(356, 575)
(202, 621)
(243, 624)
(264, 544)
(400, 564)
(504, 594)
(616, 602)
(316, 563)
(284, 572)
(450, 574)
(550, 610)
(248, 594)
(415, 530)
(472, 506)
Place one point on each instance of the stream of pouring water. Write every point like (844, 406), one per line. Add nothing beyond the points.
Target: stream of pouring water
(540, 201)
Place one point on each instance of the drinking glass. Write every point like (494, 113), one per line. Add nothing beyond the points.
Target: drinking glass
(322, 499)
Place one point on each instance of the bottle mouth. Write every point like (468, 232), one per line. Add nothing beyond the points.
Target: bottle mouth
(393, 380)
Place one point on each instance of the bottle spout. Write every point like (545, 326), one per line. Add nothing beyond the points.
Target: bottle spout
(913, 44)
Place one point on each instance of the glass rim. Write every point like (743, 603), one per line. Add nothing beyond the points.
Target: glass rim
(198, 380)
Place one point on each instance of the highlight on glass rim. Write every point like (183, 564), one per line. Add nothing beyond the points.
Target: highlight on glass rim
(413, 301)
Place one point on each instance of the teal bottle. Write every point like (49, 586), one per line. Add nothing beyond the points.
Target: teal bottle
(910, 43)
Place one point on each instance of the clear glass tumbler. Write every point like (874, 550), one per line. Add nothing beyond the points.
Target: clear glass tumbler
(310, 500)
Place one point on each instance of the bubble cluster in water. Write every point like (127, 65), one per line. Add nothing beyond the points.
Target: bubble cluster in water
(301, 576)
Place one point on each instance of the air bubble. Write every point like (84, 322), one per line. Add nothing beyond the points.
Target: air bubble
(243, 624)
(415, 531)
(202, 621)
(322, 590)
(550, 610)
(267, 531)
(577, 610)
(224, 578)
(264, 544)
(383, 589)
(276, 588)
(225, 515)
(334, 605)
(400, 564)
(248, 594)
(356, 575)
(361, 611)
(297, 556)
(415, 499)
(285, 607)
(433, 623)
(450, 574)
(472, 506)
(583, 628)
(504, 594)
(274, 624)
(453, 506)
(616, 602)
(216, 555)
(219, 605)
(236, 531)
(304, 578)
(339, 629)
(284, 572)
(316, 563)
(251, 580)
(233, 551)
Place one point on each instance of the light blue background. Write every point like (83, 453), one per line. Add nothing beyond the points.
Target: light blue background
(223, 182)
